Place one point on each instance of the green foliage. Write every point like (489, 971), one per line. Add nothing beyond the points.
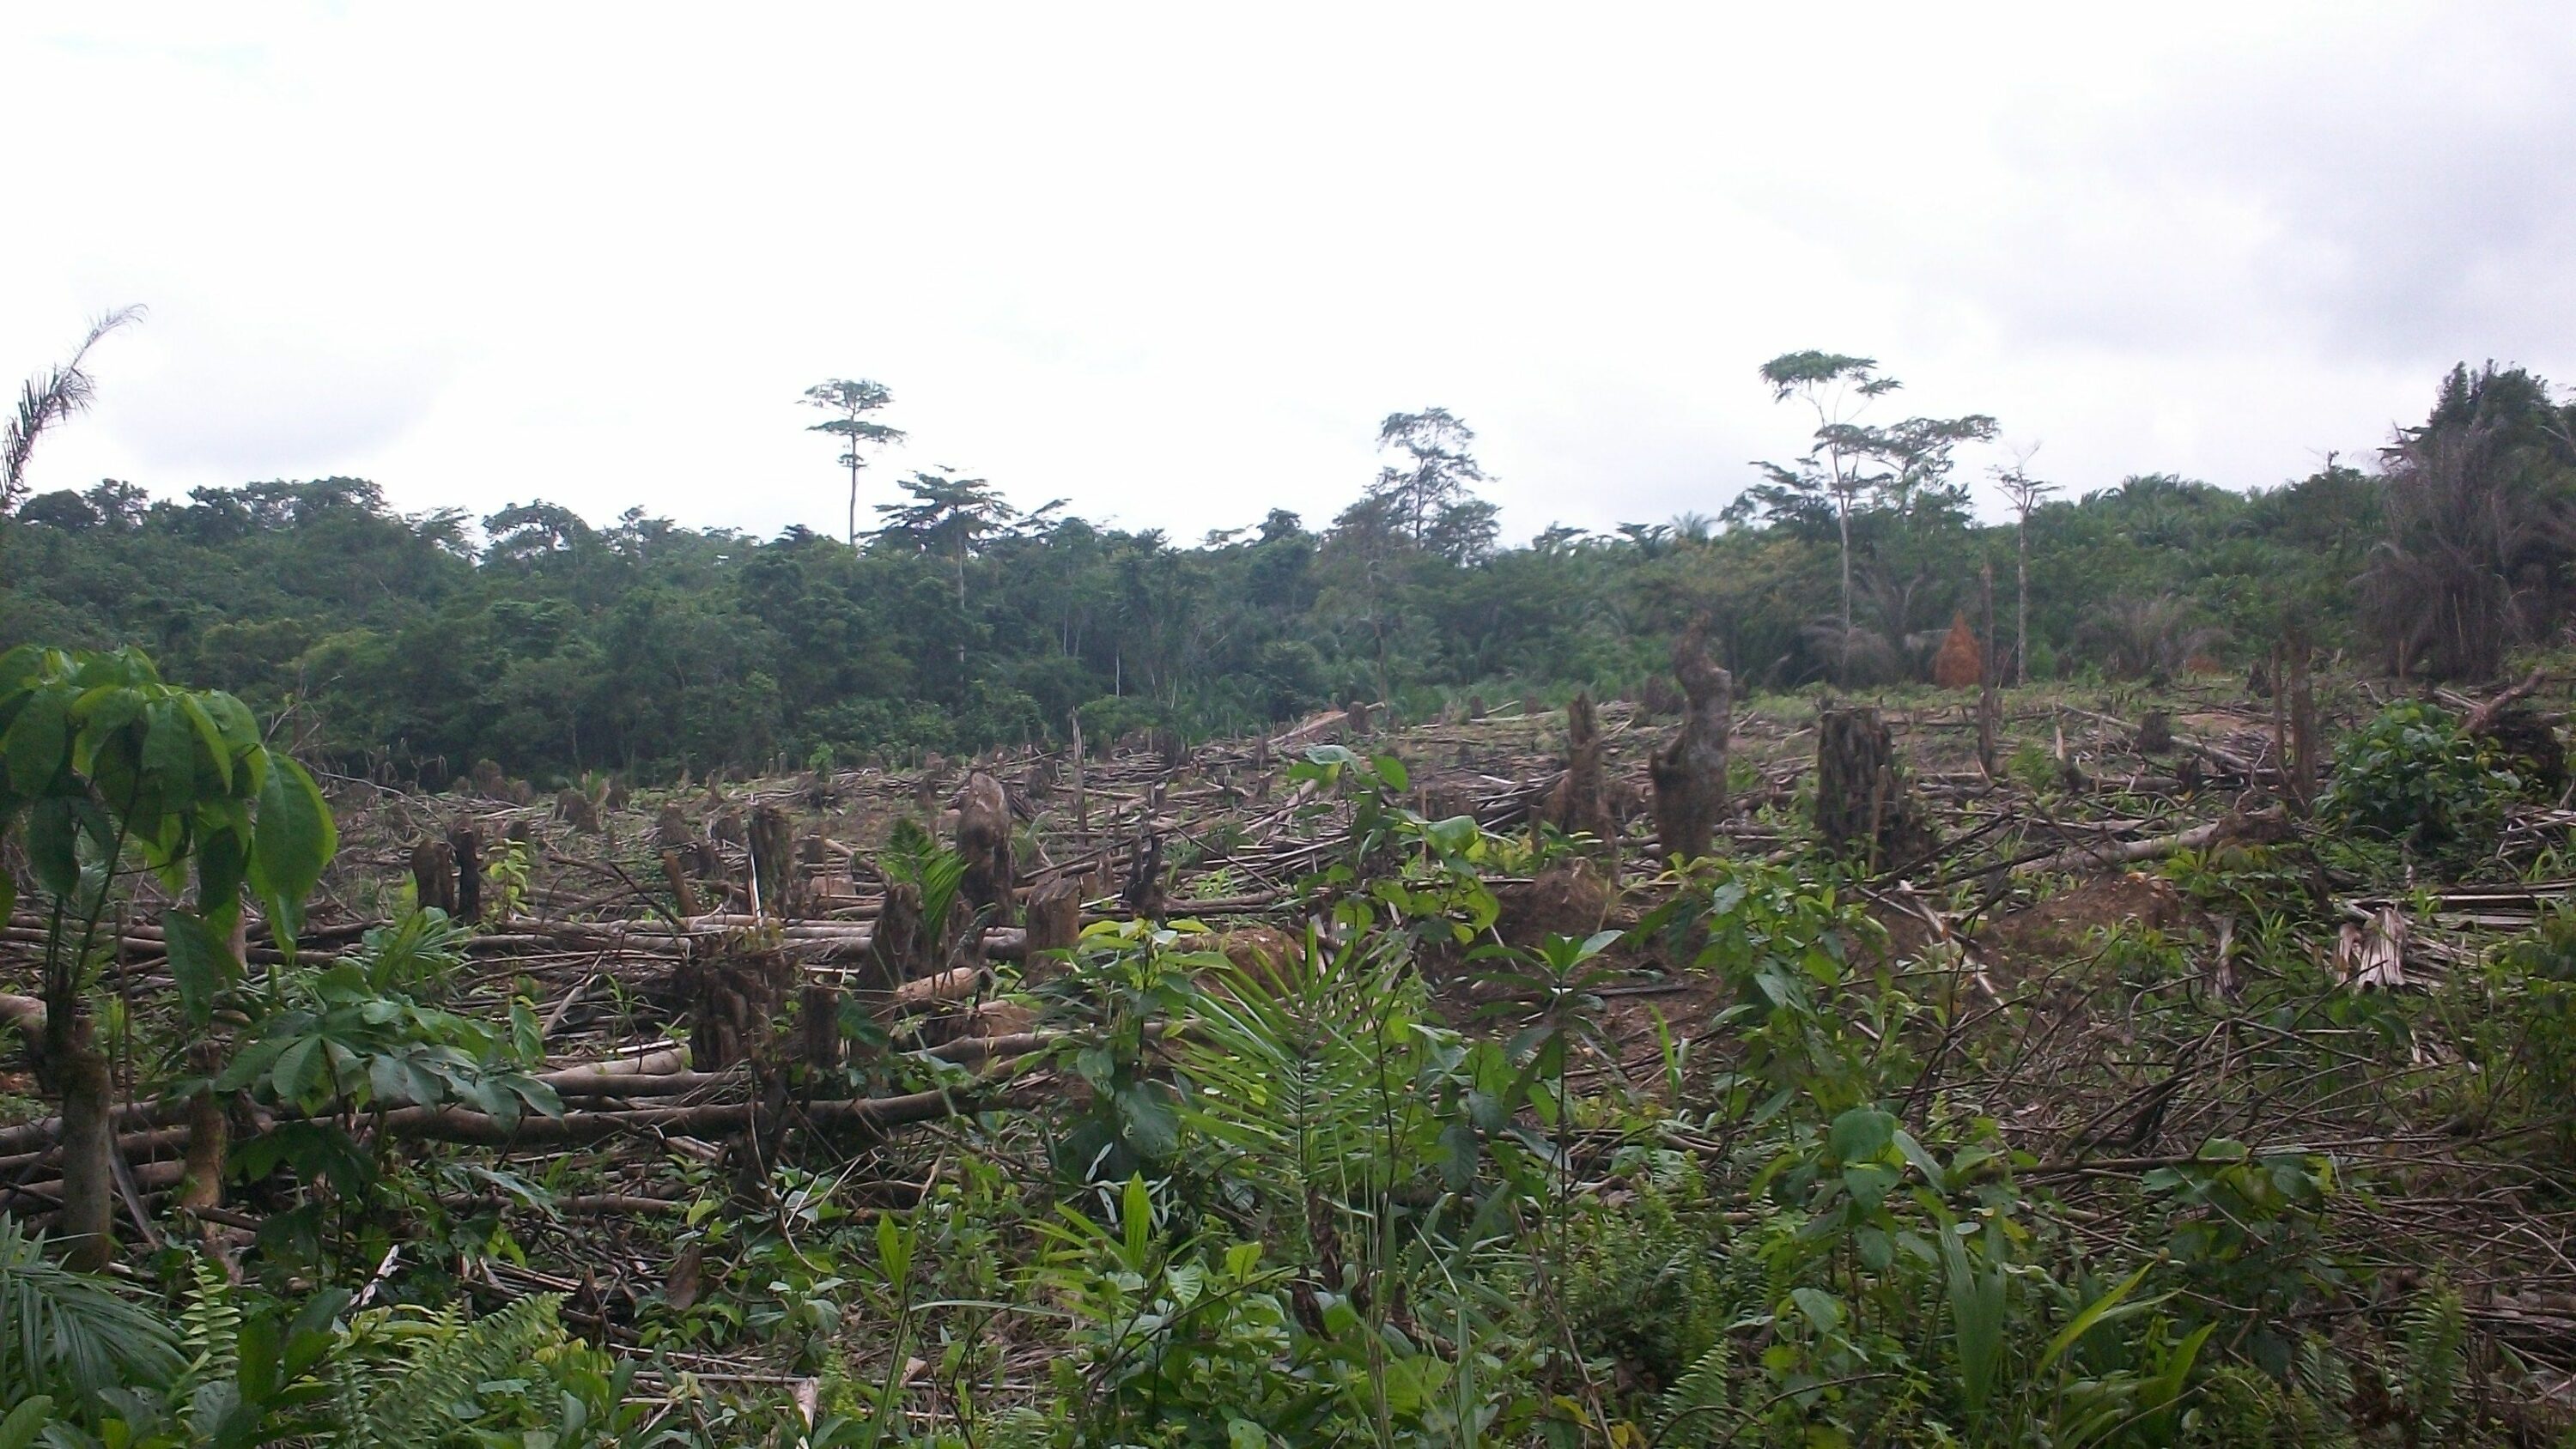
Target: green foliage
(2410, 772)
(72, 1335)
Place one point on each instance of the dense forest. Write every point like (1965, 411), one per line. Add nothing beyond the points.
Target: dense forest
(413, 645)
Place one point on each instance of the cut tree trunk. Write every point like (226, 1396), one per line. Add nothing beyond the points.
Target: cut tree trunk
(984, 841)
(433, 876)
(1865, 809)
(1054, 924)
(1580, 805)
(772, 843)
(467, 847)
(1689, 774)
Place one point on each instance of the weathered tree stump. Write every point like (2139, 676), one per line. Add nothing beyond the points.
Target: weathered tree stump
(433, 876)
(671, 828)
(898, 949)
(1579, 805)
(578, 810)
(1054, 924)
(818, 1019)
(984, 841)
(1689, 774)
(1143, 894)
(773, 857)
(2155, 733)
(734, 1002)
(1865, 810)
(465, 847)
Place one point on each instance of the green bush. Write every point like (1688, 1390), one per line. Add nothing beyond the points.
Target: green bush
(2412, 772)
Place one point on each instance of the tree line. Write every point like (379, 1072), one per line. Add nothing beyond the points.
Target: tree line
(413, 645)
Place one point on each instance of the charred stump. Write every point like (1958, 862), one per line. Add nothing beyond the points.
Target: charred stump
(578, 810)
(1865, 810)
(1689, 774)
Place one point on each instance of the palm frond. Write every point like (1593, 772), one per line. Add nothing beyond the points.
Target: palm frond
(66, 1330)
(48, 398)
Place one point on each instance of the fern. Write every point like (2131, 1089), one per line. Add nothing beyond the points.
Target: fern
(1694, 1409)
(2436, 1337)
(209, 1327)
(437, 1388)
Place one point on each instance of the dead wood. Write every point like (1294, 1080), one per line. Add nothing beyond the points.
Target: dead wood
(1579, 805)
(984, 841)
(433, 876)
(1865, 807)
(465, 846)
(1689, 774)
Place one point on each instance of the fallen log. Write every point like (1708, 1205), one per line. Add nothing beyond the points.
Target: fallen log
(2261, 827)
(449, 1124)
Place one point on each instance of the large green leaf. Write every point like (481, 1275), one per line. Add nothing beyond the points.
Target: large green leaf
(37, 741)
(201, 962)
(293, 841)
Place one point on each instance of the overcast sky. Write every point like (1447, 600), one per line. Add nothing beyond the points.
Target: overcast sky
(1173, 264)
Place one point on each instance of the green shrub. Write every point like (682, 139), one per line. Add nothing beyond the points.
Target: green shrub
(2412, 772)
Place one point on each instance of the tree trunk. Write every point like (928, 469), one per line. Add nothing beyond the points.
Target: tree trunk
(984, 841)
(466, 845)
(86, 1226)
(1989, 695)
(433, 876)
(1689, 775)
(1579, 805)
(1865, 810)
(772, 860)
(1054, 924)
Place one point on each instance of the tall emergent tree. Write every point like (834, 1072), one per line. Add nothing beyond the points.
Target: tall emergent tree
(1834, 469)
(1426, 497)
(2025, 494)
(850, 403)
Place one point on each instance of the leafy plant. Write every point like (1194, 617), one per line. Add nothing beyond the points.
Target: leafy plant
(2412, 773)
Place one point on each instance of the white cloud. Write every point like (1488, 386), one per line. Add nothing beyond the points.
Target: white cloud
(1174, 263)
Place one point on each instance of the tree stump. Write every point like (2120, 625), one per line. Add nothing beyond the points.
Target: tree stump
(818, 1019)
(897, 948)
(1689, 774)
(734, 1003)
(1054, 923)
(984, 841)
(671, 829)
(1865, 810)
(465, 846)
(2155, 732)
(1143, 894)
(578, 810)
(773, 859)
(1579, 805)
(433, 876)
